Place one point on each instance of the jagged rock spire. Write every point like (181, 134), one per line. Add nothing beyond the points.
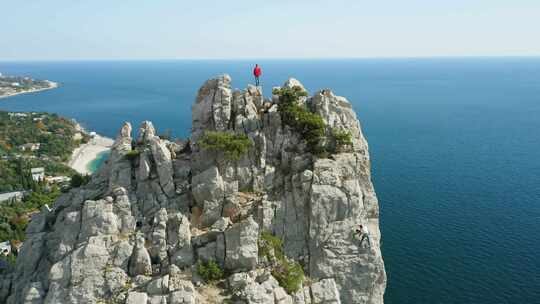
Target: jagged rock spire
(138, 231)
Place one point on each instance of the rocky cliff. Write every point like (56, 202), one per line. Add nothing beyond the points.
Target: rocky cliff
(193, 222)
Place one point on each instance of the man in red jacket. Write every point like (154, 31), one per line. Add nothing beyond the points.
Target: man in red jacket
(257, 72)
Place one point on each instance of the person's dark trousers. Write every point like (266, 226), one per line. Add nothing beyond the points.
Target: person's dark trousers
(256, 81)
(366, 237)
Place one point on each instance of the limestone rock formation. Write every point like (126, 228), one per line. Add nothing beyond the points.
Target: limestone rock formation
(157, 211)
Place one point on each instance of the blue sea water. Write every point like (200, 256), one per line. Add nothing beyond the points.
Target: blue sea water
(94, 165)
(455, 147)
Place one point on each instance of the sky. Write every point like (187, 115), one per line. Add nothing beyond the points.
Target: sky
(238, 29)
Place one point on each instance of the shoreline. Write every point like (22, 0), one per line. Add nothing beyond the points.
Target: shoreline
(52, 85)
(85, 154)
(97, 162)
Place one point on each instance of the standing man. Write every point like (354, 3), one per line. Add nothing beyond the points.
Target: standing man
(257, 72)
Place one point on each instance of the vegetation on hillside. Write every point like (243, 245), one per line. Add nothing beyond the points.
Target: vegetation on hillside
(270, 246)
(288, 273)
(341, 139)
(15, 172)
(132, 155)
(232, 145)
(15, 215)
(55, 136)
(32, 140)
(210, 271)
(78, 180)
(310, 126)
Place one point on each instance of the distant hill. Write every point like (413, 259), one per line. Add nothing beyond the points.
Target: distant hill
(14, 85)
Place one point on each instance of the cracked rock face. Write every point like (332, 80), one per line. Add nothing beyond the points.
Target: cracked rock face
(136, 232)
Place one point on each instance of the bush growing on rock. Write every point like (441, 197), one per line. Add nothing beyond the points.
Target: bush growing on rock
(132, 155)
(210, 271)
(289, 95)
(289, 274)
(270, 246)
(309, 125)
(342, 138)
(78, 180)
(232, 145)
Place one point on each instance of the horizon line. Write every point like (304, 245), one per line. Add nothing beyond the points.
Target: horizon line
(272, 58)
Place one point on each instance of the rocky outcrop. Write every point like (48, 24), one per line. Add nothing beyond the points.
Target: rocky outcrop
(157, 210)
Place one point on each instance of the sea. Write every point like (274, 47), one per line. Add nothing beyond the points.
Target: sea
(454, 143)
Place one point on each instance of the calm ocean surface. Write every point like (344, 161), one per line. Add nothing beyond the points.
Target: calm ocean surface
(455, 145)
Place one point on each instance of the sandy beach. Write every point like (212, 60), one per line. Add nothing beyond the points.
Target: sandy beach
(83, 155)
(52, 85)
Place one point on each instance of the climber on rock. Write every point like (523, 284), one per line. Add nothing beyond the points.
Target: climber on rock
(257, 72)
(363, 233)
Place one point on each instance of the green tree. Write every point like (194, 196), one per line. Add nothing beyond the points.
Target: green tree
(288, 273)
(210, 270)
(78, 180)
(310, 126)
(232, 145)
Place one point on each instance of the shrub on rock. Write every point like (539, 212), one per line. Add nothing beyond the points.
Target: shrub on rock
(78, 180)
(210, 271)
(342, 138)
(289, 274)
(309, 125)
(232, 145)
(270, 246)
(132, 155)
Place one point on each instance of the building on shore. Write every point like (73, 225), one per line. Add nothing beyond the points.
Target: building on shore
(16, 196)
(16, 114)
(57, 179)
(30, 147)
(38, 174)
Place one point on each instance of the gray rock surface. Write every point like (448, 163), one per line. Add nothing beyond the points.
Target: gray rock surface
(241, 249)
(139, 262)
(137, 298)
(136, 232)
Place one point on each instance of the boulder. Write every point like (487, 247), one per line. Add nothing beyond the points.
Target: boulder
(158, 286)
(140, 263)
(137, 298)
(208, 186)
(325, 292)
(183, 292)
(34, 293)
(163, 162)
(242, 251)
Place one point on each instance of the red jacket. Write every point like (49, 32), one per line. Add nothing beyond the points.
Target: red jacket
(257, 71)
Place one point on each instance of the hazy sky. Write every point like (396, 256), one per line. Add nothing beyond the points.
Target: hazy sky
(159, 29)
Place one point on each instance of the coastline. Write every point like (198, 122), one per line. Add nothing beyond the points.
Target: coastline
(52, 85)
(85, 154)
